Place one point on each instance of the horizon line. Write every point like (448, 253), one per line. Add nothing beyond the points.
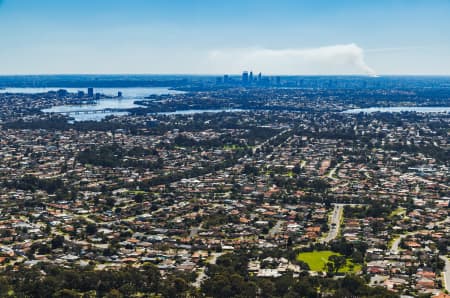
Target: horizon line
(222, 74)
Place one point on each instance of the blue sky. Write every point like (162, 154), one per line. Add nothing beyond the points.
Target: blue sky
(210, 36)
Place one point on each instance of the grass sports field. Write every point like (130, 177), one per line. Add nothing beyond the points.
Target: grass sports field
(316, 261)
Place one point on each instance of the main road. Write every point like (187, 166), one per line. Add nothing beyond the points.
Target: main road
(446, 272)
(335, 223)
(257, 147)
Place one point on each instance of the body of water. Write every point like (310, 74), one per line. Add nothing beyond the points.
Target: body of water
(129, 96)
(399, 109)
(190, 112)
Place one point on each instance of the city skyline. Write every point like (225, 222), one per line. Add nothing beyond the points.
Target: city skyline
(199, 37)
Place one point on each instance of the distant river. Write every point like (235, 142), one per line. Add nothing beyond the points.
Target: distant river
(399, 109)
(193, 111)
(129, 95)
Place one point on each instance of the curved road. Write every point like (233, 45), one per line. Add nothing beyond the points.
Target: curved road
(445, 272)
(395, 244)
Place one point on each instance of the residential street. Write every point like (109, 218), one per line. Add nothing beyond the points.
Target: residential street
(202, 275)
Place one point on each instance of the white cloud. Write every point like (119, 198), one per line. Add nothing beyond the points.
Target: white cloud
(336, 59)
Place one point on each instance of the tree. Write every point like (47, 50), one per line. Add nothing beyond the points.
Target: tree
(336, 262)
(175, 287)
(91, 228)
(303, 288)
(282, 285)
(66, 293)
(266, 287)
(57, 242)
(139, 198)
(4, 287)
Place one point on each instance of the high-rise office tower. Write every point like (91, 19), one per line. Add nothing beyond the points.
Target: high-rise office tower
(91, 92)
(245, 77)
(259, 77)
(250, 78)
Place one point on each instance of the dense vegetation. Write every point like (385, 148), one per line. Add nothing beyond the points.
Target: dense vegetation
(116, 156)
(33, 183)
(227, 278)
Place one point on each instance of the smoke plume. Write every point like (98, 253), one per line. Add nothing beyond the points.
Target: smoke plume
(336, 59)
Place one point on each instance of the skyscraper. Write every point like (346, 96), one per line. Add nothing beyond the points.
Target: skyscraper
(91, 92)
(245, 77)
(251, 77)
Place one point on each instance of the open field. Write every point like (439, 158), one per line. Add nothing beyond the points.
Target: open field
(317, 260)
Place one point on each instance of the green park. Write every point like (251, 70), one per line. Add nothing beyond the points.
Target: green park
(318, 260)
